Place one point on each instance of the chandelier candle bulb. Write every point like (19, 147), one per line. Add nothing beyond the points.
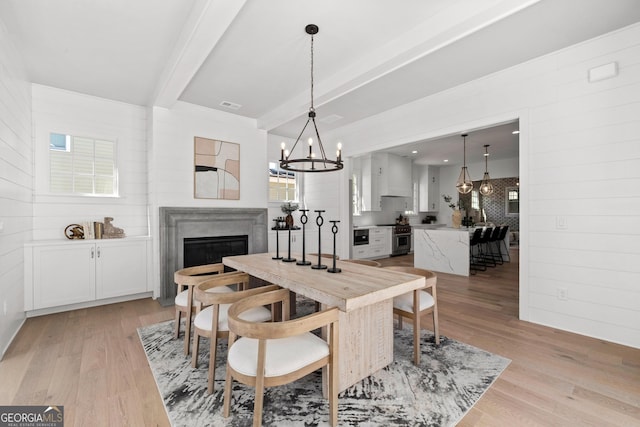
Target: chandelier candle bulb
(282, 146)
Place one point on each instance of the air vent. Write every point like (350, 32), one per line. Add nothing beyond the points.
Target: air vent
(230, 105)
(331, 118)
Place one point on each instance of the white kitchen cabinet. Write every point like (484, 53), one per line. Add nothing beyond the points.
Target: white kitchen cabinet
(383, 174)
(395, 175)
(379, 244)
(429, 188)
(372, 170)
(73, 272)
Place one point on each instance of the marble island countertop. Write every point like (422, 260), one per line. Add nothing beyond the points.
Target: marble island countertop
(442, 249)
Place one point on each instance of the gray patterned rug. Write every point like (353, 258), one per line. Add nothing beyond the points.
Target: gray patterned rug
(448, 382)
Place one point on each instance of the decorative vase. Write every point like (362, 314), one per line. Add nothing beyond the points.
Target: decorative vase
(456, 219)
(288, 220)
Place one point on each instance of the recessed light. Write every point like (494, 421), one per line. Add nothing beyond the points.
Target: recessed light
(515, 132)
(414, 152)
(446, 160)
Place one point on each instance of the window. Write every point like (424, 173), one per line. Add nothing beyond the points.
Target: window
(80, 165)
(475, 200)
(512, 201)
(282, 184)
(355, 194)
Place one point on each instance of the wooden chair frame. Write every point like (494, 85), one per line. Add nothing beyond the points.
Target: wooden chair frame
(430, 286)
(266, 331)
(187, 278)
(215, 299)
(368, 262)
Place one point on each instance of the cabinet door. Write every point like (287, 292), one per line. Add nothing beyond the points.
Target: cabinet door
(63, 274)
(360, 252)
(371, 175)
(429, 188)
(398, 176)
(121, 268)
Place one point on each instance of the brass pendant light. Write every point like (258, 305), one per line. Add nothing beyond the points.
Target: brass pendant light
(486, 187)
(464, 185)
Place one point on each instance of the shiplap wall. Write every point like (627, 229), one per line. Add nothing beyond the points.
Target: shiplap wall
(172, 168)
(579, 161)
(60, 111)
(16, 185)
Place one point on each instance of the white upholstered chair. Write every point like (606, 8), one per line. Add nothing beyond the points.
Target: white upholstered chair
(216, 297)
(272, 354)
(186, 279)
(419, 301)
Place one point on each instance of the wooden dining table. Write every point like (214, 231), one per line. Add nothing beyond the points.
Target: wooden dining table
(363, 294)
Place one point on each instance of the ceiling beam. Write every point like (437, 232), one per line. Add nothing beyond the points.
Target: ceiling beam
(207, 23)
(444, 28)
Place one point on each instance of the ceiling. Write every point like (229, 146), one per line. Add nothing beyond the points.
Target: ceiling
(369, 55)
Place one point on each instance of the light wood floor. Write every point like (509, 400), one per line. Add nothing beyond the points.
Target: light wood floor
(91, 361)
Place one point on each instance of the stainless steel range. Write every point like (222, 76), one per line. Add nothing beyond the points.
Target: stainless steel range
(400, 240)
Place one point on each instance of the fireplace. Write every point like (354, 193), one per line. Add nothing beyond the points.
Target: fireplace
(178, 224)
(210, 250)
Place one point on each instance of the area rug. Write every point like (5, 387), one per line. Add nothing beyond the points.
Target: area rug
(439, 392)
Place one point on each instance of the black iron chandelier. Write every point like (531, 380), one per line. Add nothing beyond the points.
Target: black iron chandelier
(310, 163)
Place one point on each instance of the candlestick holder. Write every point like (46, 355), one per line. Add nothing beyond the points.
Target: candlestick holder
(303, 220)
(319, 222)
(334, 230)
(288, 258)
(277, 221)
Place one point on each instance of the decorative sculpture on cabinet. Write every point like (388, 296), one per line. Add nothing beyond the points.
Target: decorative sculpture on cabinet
(111, 232)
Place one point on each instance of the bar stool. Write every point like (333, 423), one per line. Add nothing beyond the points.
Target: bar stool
(494, 243)
(502, 244)
(474, 249)
(485, 257)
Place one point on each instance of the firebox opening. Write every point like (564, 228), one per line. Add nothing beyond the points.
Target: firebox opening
(210, 250)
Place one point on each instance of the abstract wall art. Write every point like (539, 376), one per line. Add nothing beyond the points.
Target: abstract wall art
(216, 169)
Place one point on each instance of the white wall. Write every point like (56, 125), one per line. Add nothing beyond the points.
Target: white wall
(579, 161)
(61, 111)
(171, 161)
(16, 185)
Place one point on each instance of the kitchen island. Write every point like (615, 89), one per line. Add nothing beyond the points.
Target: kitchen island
(442, 249)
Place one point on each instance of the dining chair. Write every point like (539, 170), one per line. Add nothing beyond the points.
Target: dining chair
(272, 354)
(216, 297)
(419, 301)
(186, 279)
(369, 262)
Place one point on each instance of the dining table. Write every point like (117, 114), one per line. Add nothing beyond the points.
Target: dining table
(363, 294)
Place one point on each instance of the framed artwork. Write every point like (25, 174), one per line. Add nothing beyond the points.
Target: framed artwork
(216, 169)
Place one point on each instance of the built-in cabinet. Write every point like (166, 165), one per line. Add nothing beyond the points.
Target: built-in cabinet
(73, 272)
(378, 175)
(429, 186)
(379, 244)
